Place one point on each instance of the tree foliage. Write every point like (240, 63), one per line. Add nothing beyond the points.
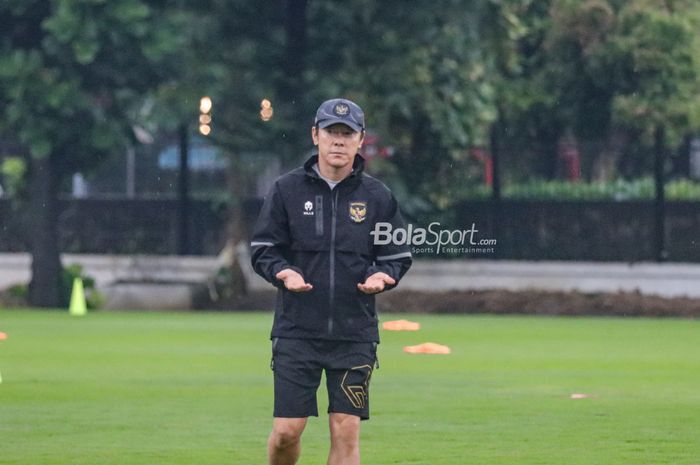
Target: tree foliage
(604, 71)
(71, 74)
(435, 78)
(71, 71)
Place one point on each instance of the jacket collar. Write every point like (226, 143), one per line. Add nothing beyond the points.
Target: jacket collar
(358, 167)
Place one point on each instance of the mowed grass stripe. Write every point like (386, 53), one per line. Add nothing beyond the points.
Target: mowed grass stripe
(184, 388)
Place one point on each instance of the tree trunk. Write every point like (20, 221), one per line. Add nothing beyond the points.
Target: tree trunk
(291, 89)
(605, 165)
(238, 233)
(295, 46)
(548, 140)
(44, 288)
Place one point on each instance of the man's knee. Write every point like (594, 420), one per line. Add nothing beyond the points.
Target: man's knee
(345, 429)
(287, 431)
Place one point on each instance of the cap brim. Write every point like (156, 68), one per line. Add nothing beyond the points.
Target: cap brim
(330, 122)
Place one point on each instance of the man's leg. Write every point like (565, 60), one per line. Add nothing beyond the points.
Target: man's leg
(297, 376)
(345, 439)
(347, 379)
(284, 444)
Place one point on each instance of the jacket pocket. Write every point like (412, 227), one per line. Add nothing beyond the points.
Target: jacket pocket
(275, 341)
(364, 301)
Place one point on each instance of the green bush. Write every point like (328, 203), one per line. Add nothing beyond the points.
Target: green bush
(12, 172)
(93, 298)
(18, 294)
(620, 189)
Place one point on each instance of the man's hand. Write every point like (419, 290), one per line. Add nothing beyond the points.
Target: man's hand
(293, 281)
(376, 283)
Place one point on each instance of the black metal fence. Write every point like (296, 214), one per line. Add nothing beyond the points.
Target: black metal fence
(584, 230)
(123, 226)
(528, 230)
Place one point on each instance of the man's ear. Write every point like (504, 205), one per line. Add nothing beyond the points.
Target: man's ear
(314, 134)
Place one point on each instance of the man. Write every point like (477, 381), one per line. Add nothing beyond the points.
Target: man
(313, 242)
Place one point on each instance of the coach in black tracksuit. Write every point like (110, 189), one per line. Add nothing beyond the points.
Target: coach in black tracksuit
(313, 242)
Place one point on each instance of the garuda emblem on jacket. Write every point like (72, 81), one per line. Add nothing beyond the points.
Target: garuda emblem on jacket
(358, 211)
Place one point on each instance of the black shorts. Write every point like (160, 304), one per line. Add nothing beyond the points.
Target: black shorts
(297, 366)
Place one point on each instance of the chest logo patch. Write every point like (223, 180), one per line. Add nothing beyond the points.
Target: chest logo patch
(358, 211)
(308, 208)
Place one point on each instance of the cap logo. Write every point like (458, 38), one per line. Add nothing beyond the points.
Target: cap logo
(341, 109)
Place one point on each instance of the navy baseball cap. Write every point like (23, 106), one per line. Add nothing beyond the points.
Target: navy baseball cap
(340, 110)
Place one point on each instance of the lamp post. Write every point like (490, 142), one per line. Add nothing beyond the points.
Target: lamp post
(183, 187)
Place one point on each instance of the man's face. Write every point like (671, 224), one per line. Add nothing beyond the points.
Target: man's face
(337, 145)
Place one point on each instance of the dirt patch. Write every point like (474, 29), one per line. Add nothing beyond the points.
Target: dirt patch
(538, 303)
(491, 301)
(510, 302)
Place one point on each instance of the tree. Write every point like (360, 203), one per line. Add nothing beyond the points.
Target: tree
(606, 71)
(424, 75)
(71, 74)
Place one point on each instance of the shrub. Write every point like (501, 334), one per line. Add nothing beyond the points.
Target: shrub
(93, 298)
(620, 189)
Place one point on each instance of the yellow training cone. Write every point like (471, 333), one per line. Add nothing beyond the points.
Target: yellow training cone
(3, 336)
(78, 307)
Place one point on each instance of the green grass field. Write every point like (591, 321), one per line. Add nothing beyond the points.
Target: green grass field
(192, 388)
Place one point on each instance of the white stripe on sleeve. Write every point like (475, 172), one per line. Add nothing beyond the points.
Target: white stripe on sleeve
(258, 244)
(395, 256)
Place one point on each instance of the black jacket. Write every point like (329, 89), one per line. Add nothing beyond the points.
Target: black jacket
(325, 235)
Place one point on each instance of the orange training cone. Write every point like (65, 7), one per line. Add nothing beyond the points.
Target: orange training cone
(427, 348)
(401, 325)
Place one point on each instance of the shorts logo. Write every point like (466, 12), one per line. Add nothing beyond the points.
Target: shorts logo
(341, 109)
(308, 208)
(357, 393)
(358, 211)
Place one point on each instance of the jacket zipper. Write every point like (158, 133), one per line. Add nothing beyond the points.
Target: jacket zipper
(334, 209)
(319, 215)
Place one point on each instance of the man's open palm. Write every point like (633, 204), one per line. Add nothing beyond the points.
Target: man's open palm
(293, 281)
(376, 283)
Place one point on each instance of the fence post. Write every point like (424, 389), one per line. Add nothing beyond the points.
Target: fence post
(496, 185)
(183, 188)
(660, 204)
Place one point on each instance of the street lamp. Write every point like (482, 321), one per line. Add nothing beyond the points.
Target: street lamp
(205, 105)
(266, 111)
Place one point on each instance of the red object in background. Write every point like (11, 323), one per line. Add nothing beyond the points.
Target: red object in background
(569, 155)
(371, 148)
(484, 157)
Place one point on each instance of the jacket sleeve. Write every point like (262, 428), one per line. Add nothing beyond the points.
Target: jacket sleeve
(271, 238)
(394, 260)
